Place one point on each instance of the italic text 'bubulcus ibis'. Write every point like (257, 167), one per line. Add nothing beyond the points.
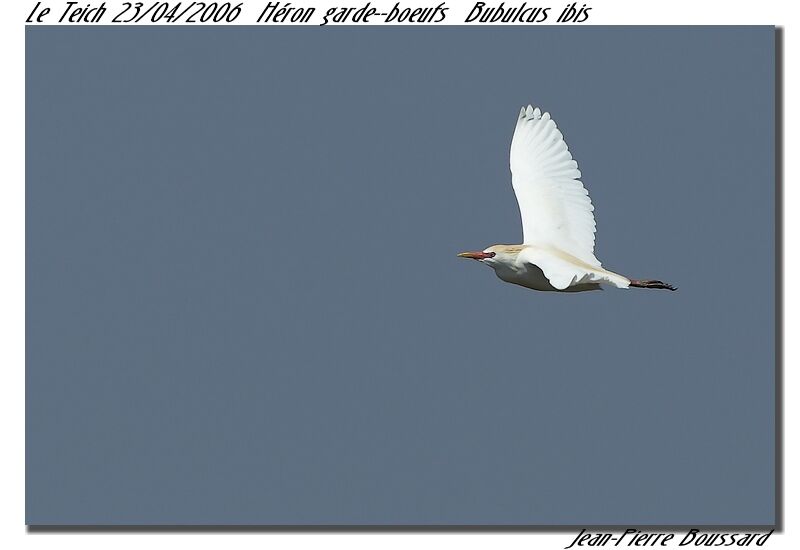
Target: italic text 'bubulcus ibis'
(558, 226)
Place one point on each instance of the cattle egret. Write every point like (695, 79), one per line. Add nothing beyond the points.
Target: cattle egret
(558, 226)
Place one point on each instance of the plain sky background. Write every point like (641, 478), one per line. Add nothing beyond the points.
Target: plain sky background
(244, 305)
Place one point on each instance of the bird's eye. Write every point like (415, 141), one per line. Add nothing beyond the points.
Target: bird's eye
(490, 254)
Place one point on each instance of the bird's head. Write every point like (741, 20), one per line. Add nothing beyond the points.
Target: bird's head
(494, 255)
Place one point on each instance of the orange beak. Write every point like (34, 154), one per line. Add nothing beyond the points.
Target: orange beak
(476, 255)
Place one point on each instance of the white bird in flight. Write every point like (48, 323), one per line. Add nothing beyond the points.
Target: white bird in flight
(558, 226)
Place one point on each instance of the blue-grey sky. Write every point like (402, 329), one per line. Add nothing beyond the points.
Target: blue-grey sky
(244, 304)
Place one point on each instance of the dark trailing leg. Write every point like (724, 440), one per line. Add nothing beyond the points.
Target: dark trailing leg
(651, 284)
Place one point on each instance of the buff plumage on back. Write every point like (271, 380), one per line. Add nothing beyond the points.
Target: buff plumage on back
(555, 207)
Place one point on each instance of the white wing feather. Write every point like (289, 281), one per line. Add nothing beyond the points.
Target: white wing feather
(555, 207)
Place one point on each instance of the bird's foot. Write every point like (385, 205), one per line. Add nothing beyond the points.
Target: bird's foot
(652, 284)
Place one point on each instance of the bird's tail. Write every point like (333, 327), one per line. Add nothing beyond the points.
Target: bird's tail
(651, 284)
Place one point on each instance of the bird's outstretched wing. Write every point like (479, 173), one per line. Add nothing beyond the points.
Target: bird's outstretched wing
(555, 207)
